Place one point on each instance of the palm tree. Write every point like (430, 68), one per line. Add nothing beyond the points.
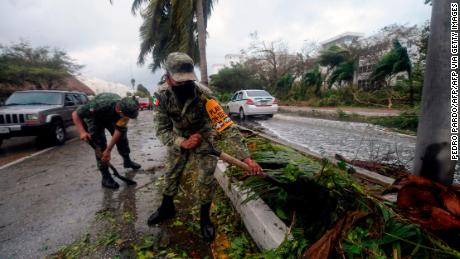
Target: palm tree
(174, 25)
(333, 56)
(343, 72)
(312, 78)
(392, 63)
(340, 63)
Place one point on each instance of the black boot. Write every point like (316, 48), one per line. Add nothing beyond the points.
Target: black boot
(208, 230)
(165, 211)
(128, 163)
(107, 180)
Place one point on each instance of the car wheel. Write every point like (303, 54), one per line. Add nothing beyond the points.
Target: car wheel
(242, 116)
(57, 133)
(269, 116)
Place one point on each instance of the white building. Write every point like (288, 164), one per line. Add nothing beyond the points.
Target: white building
(102, 86)
(380, 44)
(377, 45)
(345, 38)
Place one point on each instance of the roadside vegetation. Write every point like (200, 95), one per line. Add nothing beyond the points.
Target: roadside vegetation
(41, 67)
(351, 220)
(405, 123)
(333, 76)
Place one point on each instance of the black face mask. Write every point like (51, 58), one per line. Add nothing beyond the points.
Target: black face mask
(184, 92)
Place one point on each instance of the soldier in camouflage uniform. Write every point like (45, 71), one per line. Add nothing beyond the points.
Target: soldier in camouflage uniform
(183, 125)
(107, 111)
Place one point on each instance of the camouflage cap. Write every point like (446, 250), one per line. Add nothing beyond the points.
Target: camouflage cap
(129, 107)
(180, 66)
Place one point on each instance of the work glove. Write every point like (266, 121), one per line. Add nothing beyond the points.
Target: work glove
(192, 142)
(255, 168)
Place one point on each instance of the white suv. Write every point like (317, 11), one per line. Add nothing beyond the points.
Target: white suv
(252, 102)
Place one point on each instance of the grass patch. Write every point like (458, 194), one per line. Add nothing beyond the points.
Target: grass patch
(406, 122)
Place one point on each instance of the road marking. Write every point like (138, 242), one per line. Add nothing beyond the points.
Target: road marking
(22, 159)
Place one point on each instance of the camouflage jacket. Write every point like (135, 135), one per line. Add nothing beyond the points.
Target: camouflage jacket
(174, 123)
(101, 111)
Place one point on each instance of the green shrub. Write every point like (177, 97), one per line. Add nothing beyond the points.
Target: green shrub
(407, 120)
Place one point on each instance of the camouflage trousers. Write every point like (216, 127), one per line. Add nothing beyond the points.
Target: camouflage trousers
(205, 183)
(97, 133)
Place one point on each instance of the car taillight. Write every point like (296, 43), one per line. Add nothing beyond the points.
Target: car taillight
(249, 102)
(275, 101)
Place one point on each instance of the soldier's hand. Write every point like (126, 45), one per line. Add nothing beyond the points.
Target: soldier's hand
(255, 168)
(105, 156)
(192, 142)
(85, 136)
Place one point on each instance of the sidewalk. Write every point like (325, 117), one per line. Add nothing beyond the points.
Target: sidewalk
(375, 112)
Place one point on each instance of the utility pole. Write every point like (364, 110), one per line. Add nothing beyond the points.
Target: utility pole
(433, 149)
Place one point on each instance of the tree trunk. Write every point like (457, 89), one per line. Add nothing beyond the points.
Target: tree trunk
(202, 41)
(432, 153)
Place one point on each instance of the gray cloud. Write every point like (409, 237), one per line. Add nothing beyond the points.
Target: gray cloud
(105, 37)
(297, 20)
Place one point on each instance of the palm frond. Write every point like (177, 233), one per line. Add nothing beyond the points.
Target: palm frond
(393, 62)
(168, 26)
(343, 72)
(137, 5)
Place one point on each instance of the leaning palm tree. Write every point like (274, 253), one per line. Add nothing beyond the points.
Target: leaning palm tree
(333, 56)
(340, 62)
(314, 78)
(392, 63)
(173, 25)
(343, 72)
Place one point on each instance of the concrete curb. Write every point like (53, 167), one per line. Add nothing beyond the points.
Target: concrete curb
(265, 228)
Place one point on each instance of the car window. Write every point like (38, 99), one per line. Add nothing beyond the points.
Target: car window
(240, 96)
(83, 98)
(78, 99)
(34, 98)
(258, 93)
(234, 97)
(70, 98)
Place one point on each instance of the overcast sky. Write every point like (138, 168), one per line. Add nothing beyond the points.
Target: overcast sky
(105, 38)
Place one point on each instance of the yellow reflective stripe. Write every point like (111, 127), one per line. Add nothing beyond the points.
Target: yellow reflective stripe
(220, 120)
(122, 122)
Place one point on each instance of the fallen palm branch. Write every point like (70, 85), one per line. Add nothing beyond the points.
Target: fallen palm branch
(336, 216)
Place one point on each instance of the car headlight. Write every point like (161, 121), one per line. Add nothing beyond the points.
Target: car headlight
(33, 116)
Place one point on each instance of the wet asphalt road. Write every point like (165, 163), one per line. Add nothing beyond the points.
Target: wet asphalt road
(19, 147)
(352, 140)
(50, 200)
